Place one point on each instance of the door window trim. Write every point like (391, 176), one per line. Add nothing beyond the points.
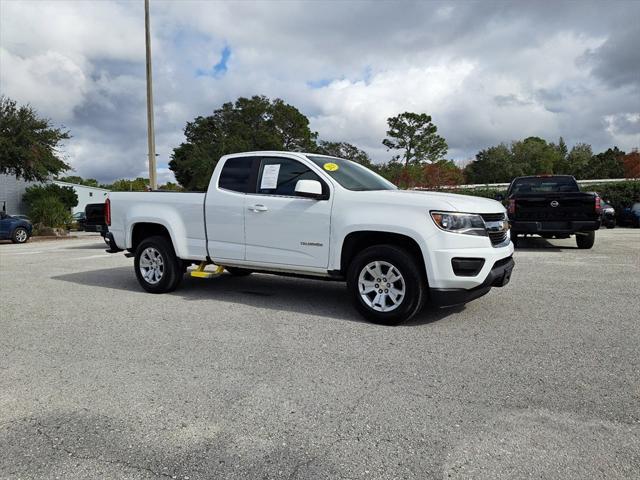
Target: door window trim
(326, 189)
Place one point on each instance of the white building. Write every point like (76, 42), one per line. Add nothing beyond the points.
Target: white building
(12, 189)
(85, 194)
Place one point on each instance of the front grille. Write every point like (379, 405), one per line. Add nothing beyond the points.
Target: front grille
(497, 238)
(492, 217)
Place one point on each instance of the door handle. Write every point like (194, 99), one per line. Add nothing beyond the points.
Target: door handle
(258, 208)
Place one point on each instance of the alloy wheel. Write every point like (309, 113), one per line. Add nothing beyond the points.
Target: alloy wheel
(151, 265)
(382, 286)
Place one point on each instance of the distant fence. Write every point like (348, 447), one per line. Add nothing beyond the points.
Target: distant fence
(505, 185)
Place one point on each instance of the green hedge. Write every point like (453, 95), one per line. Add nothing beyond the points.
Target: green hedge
(619, 194)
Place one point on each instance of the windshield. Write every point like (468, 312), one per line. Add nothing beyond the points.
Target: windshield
(351, 175)
(544, 185)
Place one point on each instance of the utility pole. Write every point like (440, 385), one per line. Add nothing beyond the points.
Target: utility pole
(151, 136)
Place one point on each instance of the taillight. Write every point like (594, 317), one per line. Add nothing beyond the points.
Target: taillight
(598, 205)
(107, 212)
(512, 206)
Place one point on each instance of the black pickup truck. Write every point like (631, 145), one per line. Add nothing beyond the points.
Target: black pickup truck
(553, 206)
(95, 221)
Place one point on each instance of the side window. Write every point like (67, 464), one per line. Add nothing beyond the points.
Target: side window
(236, 174)
(278, 176)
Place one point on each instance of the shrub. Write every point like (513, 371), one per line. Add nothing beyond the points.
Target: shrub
(66, 195)
(619, 194)
(49, 211)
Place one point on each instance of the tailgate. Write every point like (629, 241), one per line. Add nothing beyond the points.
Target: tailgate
(94, 214)
(555, 207)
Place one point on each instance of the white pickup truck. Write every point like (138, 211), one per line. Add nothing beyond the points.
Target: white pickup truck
(325, 217)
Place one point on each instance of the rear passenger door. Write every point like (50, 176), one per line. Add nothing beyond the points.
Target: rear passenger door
(282, 228)
(225, 208)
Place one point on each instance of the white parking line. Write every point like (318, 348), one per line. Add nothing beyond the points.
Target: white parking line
(106, 255)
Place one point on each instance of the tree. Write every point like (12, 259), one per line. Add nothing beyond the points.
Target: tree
(440, 174)
(534, 156)
(631, 164)
(65, 195)
(29, 145)
(170, 187)
(414, 135)
(255, 123)
(125, 185)
(492, 165)
(579, 159)
(608, 164)
(562, 166)
(345, 150)
(89, 182)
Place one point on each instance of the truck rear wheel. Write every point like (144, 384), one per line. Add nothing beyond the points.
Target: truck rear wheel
(585, 240)
(386, 285)
(157, 267)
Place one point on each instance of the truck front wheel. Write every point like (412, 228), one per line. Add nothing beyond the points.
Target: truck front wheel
(585, 240)
(157, 267)
(386, 285)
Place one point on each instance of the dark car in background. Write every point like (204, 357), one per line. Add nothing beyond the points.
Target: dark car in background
(553, 206)
(18, 230)
(608, 218)
(79, 218)
(630, 216)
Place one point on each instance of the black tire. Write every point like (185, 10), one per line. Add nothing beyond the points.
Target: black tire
(586, 241)
(238, 272)
(172, 266)
(407, 265)
(20, 235)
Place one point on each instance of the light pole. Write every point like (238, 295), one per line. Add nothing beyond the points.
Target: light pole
(151, 136)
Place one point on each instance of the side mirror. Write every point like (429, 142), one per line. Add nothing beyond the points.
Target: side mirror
(309, 189)
(499, 197)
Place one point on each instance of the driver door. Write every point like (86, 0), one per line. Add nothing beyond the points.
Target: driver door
(282, 228)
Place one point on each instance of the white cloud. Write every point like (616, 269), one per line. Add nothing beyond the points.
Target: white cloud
(486, 72)
(50, 81)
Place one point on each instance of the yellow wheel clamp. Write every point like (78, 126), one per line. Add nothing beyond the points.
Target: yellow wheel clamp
(200, 272)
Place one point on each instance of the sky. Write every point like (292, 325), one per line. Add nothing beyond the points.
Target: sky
(487, 72)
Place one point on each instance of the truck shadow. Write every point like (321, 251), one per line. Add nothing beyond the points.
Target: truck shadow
(532, 244)
(315, 297)
(91, 246)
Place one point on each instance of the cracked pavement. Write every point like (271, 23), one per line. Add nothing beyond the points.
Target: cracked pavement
(272, 377)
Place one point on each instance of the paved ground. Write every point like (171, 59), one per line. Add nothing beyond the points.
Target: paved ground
(268, 377)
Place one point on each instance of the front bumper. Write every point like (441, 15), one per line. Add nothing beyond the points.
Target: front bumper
(554, 227)
(498, 276)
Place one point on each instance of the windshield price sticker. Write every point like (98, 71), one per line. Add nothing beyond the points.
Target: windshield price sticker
(270, 176)
(330, 167)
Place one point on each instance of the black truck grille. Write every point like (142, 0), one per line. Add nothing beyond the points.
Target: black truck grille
(492, 217)
(496, 237)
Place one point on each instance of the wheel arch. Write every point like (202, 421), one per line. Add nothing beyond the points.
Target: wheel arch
(143, 230)
(357, 241)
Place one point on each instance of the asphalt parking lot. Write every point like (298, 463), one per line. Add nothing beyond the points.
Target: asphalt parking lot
(272, 377)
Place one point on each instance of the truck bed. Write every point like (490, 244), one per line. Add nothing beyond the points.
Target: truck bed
(183, 211)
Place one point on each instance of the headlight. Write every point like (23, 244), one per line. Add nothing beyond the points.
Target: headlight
(467, 223)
